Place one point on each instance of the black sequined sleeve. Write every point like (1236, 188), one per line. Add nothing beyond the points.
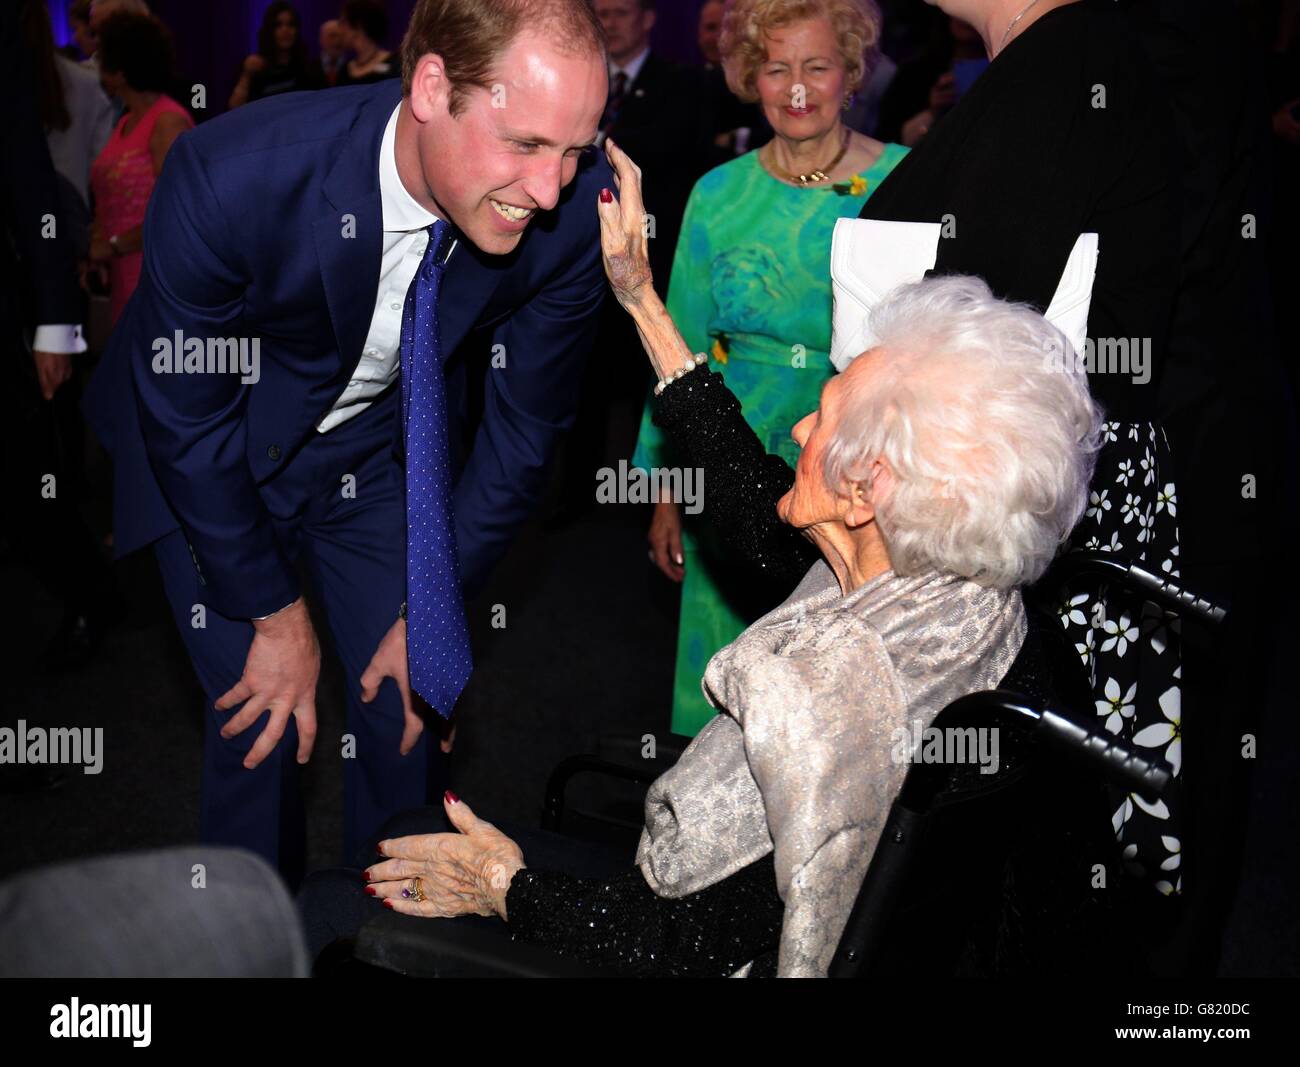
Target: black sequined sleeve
(742, 482)
(621, 923)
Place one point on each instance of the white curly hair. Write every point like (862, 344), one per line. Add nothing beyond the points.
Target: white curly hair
(990, 434)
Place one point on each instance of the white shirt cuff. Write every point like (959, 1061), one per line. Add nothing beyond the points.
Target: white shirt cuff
(263, 618)
(60, 340)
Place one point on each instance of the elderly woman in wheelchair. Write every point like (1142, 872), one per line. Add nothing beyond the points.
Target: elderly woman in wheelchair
(940, 474)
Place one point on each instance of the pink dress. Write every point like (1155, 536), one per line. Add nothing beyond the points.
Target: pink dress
(122, 180)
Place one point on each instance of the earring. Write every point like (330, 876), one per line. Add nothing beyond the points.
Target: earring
(848, 100)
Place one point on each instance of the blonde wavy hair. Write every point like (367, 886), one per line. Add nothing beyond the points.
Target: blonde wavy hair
(746, 23)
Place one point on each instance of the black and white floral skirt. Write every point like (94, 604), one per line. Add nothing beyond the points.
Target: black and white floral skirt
(1130, 648)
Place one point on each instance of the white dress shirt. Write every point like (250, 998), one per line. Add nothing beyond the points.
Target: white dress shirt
(405, 239)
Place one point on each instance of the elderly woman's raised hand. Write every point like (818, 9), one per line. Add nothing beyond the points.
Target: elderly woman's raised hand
(627, 266)
(623, 231)
(443, 875)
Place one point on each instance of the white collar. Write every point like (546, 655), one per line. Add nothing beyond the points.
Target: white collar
(402, 214)
(631, 68)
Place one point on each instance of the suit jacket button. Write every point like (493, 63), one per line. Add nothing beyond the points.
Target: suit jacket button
(274, 453)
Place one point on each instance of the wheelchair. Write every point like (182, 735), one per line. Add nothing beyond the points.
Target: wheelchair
(1008, 874)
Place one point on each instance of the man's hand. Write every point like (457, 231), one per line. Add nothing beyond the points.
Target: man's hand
(389, 661)
(52, 370)
(280, 674)
(99, 271)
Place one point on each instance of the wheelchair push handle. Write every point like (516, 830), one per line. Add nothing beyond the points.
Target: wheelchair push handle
(1161, 589)
(1169, 594)
(1112, 756)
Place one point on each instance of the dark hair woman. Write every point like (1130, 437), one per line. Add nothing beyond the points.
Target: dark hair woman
(365, 25)
(280, 64)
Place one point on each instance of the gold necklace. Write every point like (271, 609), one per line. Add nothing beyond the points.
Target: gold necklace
(821, 174)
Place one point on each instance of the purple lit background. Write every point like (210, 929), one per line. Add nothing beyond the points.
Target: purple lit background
(214, 36)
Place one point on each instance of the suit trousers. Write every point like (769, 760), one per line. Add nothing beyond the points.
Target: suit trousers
(340, 515)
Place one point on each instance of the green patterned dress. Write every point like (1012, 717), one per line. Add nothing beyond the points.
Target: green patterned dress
(751, 285)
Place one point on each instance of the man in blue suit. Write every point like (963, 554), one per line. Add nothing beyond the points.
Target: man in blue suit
(312, 263)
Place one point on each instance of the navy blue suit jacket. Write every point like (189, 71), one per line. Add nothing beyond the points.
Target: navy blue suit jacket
(247, 235)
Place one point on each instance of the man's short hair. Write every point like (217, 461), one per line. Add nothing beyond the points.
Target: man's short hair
(471, 35)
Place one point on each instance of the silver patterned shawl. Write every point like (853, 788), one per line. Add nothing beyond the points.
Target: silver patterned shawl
(801, 759)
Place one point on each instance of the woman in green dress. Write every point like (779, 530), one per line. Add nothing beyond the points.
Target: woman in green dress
(751, 280)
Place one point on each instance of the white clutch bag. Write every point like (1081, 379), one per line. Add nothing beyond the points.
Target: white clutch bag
(870, 257)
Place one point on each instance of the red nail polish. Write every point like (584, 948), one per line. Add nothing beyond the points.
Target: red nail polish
(388, 904)
(606, 196)
(371, 891)
(451, 797)
(367, 876)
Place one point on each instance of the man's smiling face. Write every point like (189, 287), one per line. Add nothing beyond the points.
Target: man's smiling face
(511, 150)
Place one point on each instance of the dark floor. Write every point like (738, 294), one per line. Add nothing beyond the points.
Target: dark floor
(576, 658)
(586, 651)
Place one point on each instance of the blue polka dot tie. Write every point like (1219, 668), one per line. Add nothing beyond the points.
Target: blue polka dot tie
(437, 635)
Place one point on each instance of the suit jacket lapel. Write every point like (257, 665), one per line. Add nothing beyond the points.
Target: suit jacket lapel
(471, 279)
(350, 237)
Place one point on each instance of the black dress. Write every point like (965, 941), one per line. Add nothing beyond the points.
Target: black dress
(389, 68)
(1066, 133)
(277, 78)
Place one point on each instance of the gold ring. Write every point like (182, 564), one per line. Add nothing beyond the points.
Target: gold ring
(417, 891)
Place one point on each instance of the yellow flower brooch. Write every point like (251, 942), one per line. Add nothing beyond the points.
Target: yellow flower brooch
(855, 186)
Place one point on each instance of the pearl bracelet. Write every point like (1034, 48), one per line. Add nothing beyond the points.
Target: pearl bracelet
(691, 364)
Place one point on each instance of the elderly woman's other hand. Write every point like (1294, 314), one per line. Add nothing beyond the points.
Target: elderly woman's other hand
(623, 231)
(444, 875)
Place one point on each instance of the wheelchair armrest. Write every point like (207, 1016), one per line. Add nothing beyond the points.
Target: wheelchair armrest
(434, 948)
(567, 769)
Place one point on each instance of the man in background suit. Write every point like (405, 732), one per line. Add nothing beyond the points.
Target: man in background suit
(737, 126)
(40, 331)
(660, 113)
(355, 238)
(331, 51)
